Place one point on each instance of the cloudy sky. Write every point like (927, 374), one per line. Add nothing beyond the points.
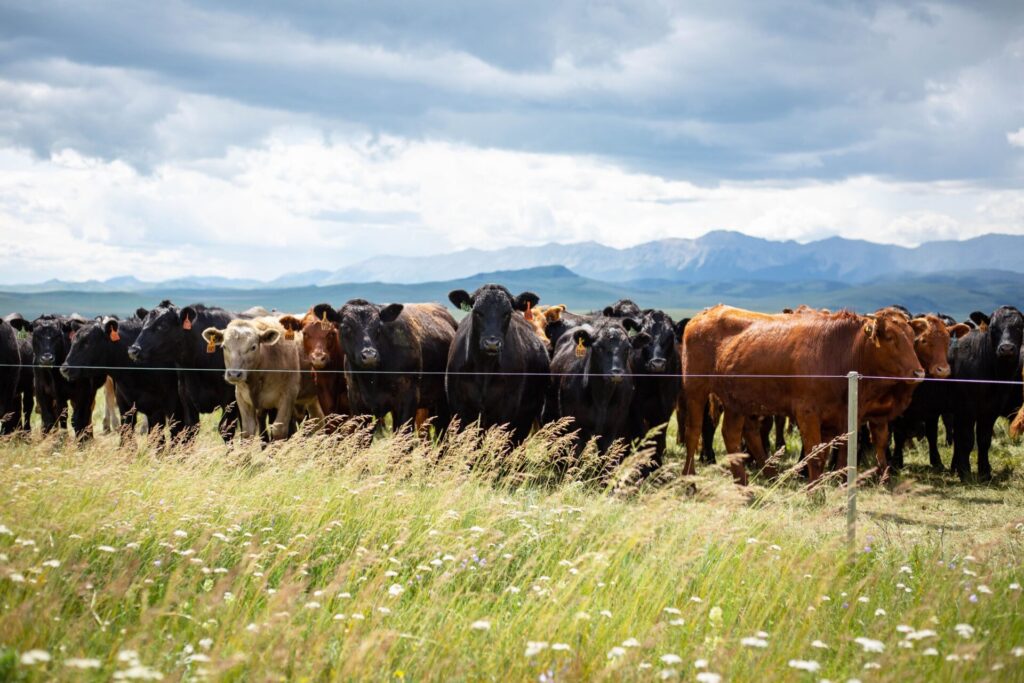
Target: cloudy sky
(245, 139)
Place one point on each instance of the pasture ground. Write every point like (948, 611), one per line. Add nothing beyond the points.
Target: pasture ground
(343, 558)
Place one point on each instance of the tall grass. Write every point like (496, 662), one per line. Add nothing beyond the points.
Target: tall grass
(324, 558)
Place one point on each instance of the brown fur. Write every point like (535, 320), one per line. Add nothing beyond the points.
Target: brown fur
(321, 348)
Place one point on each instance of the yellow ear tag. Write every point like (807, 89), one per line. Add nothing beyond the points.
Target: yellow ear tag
(324, 324)
(581, 350)
(211, 346)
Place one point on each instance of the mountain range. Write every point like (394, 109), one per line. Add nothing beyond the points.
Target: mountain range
(716, 257)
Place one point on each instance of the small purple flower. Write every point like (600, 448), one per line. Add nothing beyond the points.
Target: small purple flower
(973, 598)
(846, 605)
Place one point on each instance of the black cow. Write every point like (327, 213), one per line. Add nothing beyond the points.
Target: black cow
(623, 308)
(658, 371)
(100, 349)
(395, 357)
(18, 415)
(497, 368)
(991, 352)
(10, 373)
(593, 367)
(566, 321)
(172, 336)
(51, 340)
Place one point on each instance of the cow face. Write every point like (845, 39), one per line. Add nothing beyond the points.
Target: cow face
(623, 308)
(608, 348)
(51, 337)
(92, 346)
(656, 355)
(362, 329)
(931, 344)
(320, 338)
(241, 344)
(162, 338)
(890, 347)
(491, 309)
(1006, 330)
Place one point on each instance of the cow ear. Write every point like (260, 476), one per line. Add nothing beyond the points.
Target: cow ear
(640, 340)
(979, 319)
(608, 312)
(110, 329)
(213, 336)
(390, 313)
(525, 300)
(920, 326)
(958, 330)
(461, 299)
(581, 337)
(19, 323)
(73, 323)
(327, 312)
(141, 313)
(187, 316)
(631, 325)
(270, 336)
(680, 327)
(290, 323)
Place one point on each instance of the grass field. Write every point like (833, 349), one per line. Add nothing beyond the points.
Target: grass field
(391, 560)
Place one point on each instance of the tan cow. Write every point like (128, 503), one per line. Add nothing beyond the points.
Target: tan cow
(267, 371)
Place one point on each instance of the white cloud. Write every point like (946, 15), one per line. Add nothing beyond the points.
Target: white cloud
(302, 199)
(1016, 138)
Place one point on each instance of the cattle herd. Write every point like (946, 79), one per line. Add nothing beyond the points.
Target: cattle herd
(619, 374)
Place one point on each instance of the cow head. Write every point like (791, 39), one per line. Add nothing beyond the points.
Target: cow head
(363, 327)
(608, 347)
(623, 308)
(890, 346)
(656, 355)
(163, 334)
(241, 341)
(92, 346)
(491, 309)
(320, 339)
(51, 338)
(1006, 330)
(931, 344)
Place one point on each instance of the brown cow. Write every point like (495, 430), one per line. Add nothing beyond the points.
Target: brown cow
(793, 352)
(322, 346)
(540, 316)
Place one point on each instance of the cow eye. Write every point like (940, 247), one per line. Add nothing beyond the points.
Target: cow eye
(252, 348)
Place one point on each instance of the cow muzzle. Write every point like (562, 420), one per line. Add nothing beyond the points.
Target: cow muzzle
(46, 359)
(940, 371)
(616, 375)
(135, 353)
(1006, 350)
(491, 345)
(369, 358)
(234, 376)
(70, 374)
(318, 360)
(918, 375)
(656, 365)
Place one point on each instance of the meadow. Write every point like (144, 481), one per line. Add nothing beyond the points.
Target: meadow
(391, 559)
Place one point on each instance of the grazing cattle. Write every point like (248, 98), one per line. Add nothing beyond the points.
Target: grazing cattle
(657, 366)
(395, 357)
(100, 350)
(51, 340)
(173, 336)
(930, 341)
(16, 415)
(10, 374)
(498, 370)
(267, 373)
(991, 352)
(931, 400)
(723, 346)
(321, 345)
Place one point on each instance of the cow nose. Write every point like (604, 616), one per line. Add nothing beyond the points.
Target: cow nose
(940, 371)
(616, 375)
(919, 374)
(491, 344)
(66, 372)
(134, 352)
(234, 375)
(656, 365)
(1005, 350)
(369, 356)
(46, 359)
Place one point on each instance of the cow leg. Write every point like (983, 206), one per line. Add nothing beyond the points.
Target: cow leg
(985, 427)
(707, 437)
(756, 438)
(899, 436)
(963, 444)
(780, 433)
(694, 414)
(732, 434)
(810, 435)
(931, 432)
(880, 437)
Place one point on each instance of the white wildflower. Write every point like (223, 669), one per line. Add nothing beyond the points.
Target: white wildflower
(869, 644)
(631, 642)
(754, 642)
(965, 630)
(819, 645)
(671, 659)
(708, 677)
(804, 665)
(395, 590)
(535, 647)
(106, 549)
(560, 647)
(616, 652)
(80, 663)
(481, 625)
(33, 657)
